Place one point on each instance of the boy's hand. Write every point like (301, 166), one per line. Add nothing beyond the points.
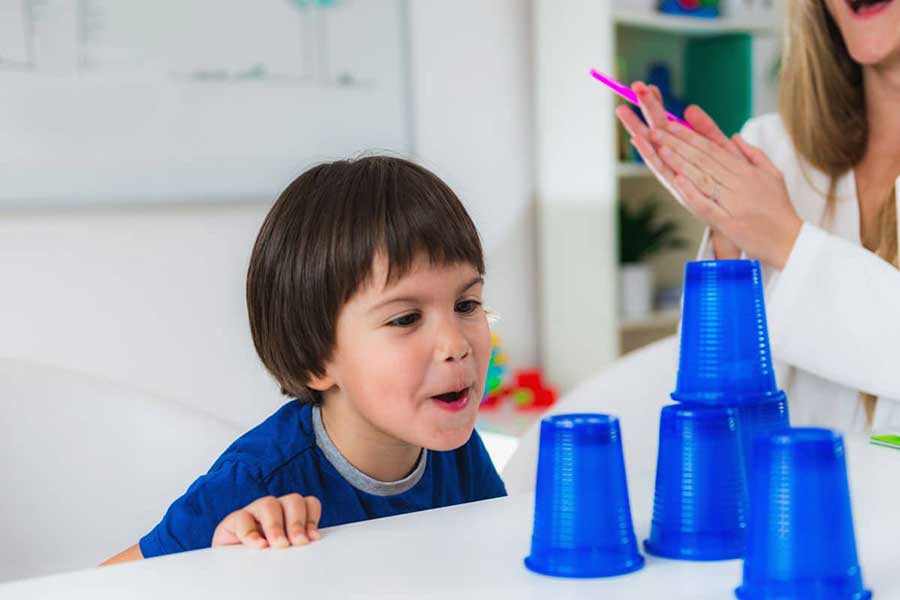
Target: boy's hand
(290, 520)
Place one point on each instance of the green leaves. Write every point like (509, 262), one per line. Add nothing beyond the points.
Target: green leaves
(642, 234)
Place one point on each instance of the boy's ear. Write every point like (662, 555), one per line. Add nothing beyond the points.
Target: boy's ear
(321, 383)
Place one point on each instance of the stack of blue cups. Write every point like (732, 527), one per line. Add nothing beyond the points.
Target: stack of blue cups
(727, 396)
(725, 358)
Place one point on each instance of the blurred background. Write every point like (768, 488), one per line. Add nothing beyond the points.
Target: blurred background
(144, 142)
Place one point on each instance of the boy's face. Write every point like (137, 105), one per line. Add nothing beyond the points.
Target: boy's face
(412, 355)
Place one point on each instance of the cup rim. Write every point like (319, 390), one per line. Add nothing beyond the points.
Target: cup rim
(726, 398)
(687, 410)
(573, 420)
(802, 436)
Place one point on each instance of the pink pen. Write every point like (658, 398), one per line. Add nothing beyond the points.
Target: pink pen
(628, 94)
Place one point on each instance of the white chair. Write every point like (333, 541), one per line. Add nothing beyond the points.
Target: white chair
(90, 466)
(633, 388)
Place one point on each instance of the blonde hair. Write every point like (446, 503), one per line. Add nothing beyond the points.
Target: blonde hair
(822, 103)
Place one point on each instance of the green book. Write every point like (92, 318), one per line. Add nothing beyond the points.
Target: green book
(718, 75)
(891, 440)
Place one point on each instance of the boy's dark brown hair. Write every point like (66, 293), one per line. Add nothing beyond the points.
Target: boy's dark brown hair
(317, 245)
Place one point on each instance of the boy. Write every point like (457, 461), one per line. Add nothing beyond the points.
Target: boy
(364, 294)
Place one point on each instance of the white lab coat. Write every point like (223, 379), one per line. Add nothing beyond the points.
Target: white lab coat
(834, 311)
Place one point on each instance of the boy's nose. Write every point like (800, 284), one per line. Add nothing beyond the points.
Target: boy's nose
(452, 345)
(457, 354)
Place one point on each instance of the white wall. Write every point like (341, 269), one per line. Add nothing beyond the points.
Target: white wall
(576, 187)
(154, 296)
(473, 126)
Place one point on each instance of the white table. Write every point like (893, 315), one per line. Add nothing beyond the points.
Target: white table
(469, 551)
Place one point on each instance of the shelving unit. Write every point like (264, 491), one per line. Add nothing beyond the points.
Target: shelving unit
(682, 25)
(582, 175)
(656, 320)
(717, 50)
(632, 169)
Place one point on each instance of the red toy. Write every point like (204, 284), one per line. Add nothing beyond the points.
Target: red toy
(528, 391)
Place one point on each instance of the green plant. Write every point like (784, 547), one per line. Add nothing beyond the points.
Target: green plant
(643, 234)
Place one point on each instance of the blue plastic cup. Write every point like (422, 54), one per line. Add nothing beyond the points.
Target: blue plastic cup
(582, 516)
(761, 418)
(724, 355)
(801, 544)
(700, 504)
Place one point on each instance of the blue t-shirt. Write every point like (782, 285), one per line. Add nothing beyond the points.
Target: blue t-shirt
(281, 456)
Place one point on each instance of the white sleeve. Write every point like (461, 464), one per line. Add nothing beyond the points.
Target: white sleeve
(706, 251)
(833, 311)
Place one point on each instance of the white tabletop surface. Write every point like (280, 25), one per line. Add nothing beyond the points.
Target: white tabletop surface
(469, 551)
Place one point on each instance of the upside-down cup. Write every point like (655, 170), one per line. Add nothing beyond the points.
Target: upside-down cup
(801, 544)
(761, 418)
(700, 503)
(724, 357)
(582, 515)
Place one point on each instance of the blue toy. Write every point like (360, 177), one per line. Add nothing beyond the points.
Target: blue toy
(708, 9)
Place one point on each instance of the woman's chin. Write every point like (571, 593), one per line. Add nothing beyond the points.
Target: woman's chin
(871, 53)
(872, 44)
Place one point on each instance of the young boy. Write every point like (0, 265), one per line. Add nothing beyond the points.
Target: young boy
(364, 293)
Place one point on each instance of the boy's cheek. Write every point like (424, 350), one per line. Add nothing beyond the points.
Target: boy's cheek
(484, 345)
(484, 363)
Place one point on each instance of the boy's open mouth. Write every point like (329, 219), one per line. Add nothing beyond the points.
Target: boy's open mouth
(867, 7)
(454, 400)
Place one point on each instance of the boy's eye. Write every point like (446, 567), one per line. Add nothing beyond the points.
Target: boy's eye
(467, 307)
(405, 320)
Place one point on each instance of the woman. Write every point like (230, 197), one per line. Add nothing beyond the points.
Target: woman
(811, 193)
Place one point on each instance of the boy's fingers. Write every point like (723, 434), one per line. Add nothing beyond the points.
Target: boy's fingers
(246, 529)
(295, 517)
(269, 513)
(313, 514)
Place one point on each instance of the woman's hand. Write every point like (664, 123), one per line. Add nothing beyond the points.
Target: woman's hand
(291, 520)
(650, 100)
(744, 198)
(651, 105)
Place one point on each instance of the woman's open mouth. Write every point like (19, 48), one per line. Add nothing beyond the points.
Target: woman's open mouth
(867, 8)
(453, 401)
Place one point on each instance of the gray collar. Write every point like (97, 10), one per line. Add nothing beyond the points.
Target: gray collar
(354, 476)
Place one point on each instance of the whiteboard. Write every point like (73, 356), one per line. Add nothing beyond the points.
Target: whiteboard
(133, 101)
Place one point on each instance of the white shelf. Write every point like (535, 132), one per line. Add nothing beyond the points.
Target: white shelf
(655, 320)
(632, 169)
(698, 26)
